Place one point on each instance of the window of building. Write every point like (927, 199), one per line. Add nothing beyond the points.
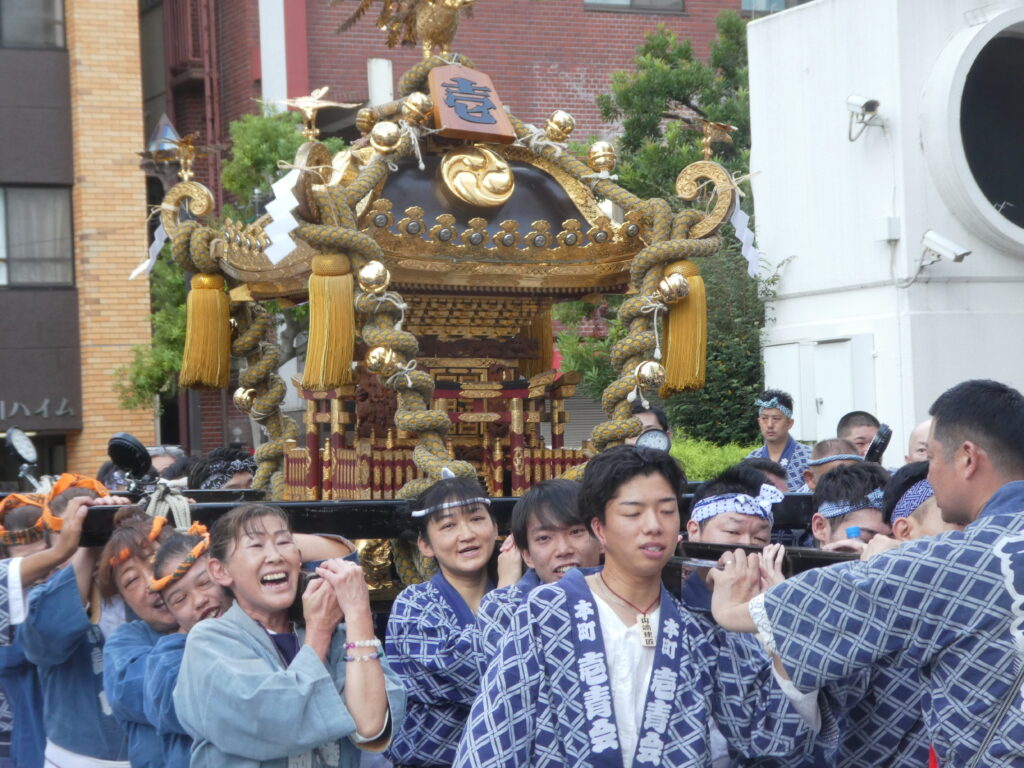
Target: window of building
(32, 23)
(644, 6)
(35, 236)
(770, 6)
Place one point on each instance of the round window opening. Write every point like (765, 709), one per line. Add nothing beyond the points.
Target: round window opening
(991, 117)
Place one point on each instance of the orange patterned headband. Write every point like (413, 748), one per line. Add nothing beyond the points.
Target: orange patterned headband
(124, 554)
(64, 482)
(26, 535)
(197, 529)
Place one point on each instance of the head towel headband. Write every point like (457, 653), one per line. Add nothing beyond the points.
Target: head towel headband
(773, 403)
(837, 457)
(832, 509)
(450, 505)
(64, 482)
(197, 529)
(761, 506)
(28, 535)
(122, 556)
(916, 495)
(222, 471)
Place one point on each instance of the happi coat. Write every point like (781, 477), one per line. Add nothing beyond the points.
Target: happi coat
(794, 460)
(433, 643)
(124, 674)
(162, 667)
(245, 708)
(21, 713)
(496, 611)
(67, 650)
(950, 607)
(546, 700)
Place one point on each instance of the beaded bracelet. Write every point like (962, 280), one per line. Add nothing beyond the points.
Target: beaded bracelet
(366, 656)
(364, 644)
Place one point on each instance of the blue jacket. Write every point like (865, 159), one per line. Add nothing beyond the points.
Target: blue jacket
(20, 683)
(68, 652)
(162, 669)
(124, 674)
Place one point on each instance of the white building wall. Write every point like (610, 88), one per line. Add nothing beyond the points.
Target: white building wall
(828, 205)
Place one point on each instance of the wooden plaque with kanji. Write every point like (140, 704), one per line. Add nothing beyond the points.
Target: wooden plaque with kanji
(466, 106)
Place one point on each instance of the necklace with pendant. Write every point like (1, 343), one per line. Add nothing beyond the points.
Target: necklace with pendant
(642, 619)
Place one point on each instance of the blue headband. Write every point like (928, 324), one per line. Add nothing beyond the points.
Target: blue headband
(773, 403)
(837, 457)
(916, 495)
(761, 506)
(832, 509)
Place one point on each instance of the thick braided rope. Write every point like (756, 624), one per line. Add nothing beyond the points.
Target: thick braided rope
(260, 374)
(669, 241)
(190, 248)
(416, 77)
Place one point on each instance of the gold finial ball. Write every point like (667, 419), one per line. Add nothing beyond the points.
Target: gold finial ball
(374, 277)
(650, 375)
(385, 137)
(244, 399)
(417, 107)
(602, 156)
(382, 361)
(560, 125)
(672, 288)
(365, 120)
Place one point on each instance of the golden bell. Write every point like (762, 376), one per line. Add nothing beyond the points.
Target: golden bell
(384, 137)
(374, 277)
(672, 288)
(365, 120)
(417, 107)
(244, 399)
(650, 375)
(560, 125)
(382, 361)
(602, 156)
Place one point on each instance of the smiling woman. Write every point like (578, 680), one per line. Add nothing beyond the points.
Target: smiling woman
(125, 570)
(433, 638)
(258, 688)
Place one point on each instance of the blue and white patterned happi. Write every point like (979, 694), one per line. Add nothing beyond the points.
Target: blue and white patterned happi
(494, 616)
(433, 643)
(949, 606)
(742, 658)
(532, 712)
(794, 460)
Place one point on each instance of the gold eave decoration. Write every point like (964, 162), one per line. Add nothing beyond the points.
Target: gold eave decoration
(573, 256)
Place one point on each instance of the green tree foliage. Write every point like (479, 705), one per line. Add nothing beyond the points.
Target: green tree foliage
(652, 102)
(258, 142)
(154, 368)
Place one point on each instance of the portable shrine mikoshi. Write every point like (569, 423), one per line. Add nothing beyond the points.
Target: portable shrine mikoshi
(430, 253)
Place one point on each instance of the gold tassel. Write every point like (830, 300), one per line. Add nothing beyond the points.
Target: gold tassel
(686, 334)
(540, 329)
(206, 363)
(332, 324)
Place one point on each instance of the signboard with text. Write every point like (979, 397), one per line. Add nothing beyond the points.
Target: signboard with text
(466, 106)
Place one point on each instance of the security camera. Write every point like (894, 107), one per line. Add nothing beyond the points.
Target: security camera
(862, 106)
(943, 247)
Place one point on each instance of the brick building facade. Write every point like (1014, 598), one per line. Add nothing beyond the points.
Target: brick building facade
(72, 206)
(108, 202)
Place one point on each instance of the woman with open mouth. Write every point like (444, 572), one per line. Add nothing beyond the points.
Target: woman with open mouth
(432, 638)
(181, 575)
(263, 686)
